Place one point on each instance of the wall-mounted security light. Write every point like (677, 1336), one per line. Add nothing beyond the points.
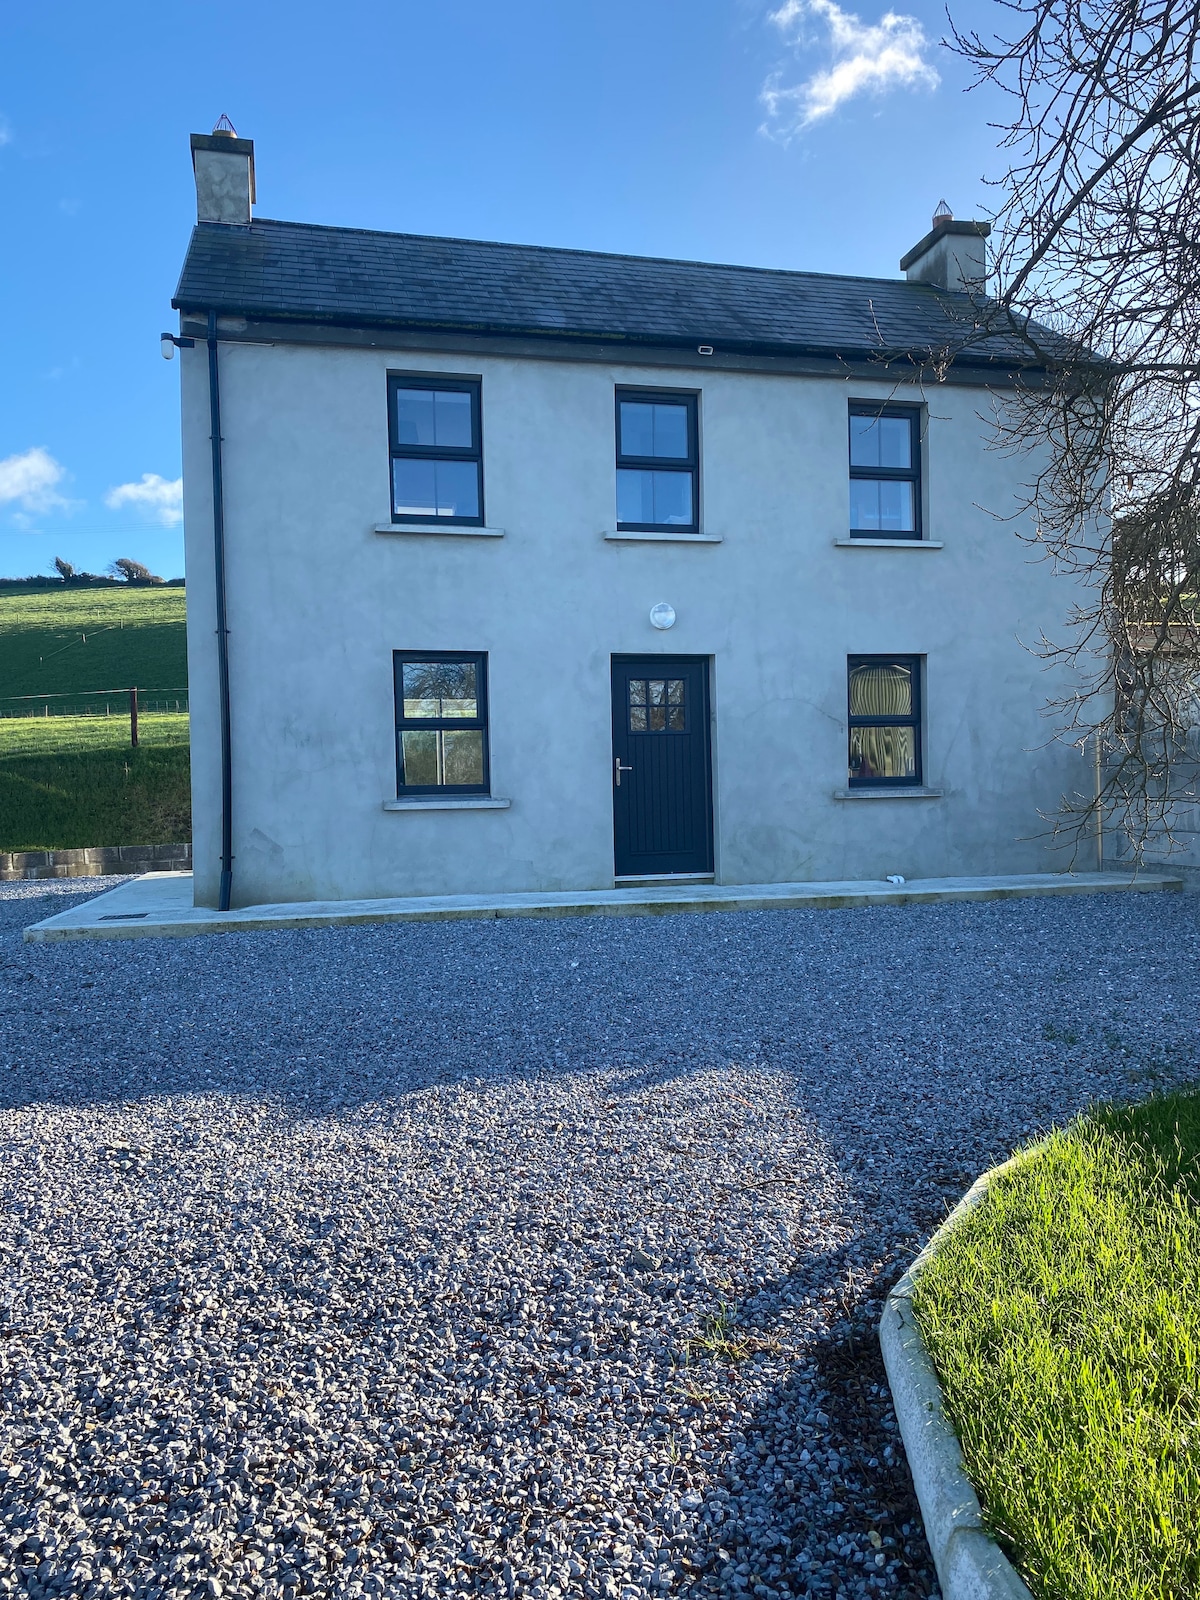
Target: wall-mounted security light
(169, 341)
(662, 615)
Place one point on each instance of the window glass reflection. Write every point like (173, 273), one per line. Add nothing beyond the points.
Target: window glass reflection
(649, 428)
(438, 758)
(462, 756)
(440, 689)
(661, 499)
(657, 705)
(882, 505)
(419, 758)
(440, 417)
(432, 488)
(880, 442)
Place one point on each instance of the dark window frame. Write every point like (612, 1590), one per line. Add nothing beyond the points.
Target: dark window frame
(422, 452)
(479, 659)
(916, 666)
(912, 474)
(680, 397)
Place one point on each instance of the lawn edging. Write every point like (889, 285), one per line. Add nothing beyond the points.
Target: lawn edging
(970, 1564)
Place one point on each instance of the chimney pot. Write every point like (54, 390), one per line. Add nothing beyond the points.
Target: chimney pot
(952, 255)
(224, 169)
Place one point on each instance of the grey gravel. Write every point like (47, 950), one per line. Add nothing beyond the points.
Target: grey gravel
(515, 1258)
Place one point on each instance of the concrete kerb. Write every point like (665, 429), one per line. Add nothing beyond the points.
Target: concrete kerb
(161, 906)
(970, 1564)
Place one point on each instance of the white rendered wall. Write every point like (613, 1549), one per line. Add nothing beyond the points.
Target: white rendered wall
(318, 601)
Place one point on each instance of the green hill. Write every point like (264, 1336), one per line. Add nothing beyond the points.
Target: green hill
(73, 640)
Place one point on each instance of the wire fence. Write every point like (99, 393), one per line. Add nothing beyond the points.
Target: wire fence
(94, 703)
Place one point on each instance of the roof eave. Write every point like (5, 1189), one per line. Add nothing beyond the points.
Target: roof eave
(918, 355)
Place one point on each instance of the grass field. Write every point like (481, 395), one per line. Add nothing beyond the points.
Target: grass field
(72, 782)
(73, 640)
(1063, 1317)
(68, 782)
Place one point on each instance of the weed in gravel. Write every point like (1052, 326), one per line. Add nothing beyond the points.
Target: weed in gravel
(722, 1339)
(1054, 1034)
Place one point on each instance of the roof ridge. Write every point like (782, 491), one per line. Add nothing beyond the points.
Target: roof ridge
(597, 255)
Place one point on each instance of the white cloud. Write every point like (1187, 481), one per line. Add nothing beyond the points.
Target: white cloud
(160, 498)
(30, 480)
(867, 58)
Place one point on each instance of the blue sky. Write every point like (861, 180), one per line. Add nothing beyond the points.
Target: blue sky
(800, 134)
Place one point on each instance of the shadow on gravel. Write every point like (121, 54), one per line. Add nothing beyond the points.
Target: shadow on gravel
(921, 1045)
(816, 1481)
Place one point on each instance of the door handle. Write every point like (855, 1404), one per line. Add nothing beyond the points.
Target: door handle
(618, 769)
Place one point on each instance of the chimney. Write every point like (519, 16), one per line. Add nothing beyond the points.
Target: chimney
(224, 168)
(952, 255)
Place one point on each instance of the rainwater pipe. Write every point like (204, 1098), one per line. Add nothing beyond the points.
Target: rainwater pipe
(170, 343)
(218, 498)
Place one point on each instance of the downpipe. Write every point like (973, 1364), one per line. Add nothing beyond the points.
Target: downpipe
(218, 495)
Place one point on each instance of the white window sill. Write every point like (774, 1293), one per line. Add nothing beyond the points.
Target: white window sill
(663, 538)
(883, 793)
(434, 802)
(890, 544)
(439, 528)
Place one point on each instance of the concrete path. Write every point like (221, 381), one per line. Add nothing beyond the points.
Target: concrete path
(160, 904)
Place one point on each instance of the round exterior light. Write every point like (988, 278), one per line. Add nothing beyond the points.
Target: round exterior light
(662, 615)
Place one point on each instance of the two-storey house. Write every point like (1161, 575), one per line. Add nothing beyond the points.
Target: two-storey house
(517, 568)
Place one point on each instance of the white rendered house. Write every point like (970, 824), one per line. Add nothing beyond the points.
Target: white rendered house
(542, 569)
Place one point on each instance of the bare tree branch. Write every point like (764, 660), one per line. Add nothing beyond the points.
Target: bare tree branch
(1097, 284)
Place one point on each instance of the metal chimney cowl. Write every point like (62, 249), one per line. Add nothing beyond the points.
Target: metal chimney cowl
(952, 255)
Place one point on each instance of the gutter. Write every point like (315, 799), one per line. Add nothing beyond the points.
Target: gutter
(218, 495)
(870, 366)
(264, 321)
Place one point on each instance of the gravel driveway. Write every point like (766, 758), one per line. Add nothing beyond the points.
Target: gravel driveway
(514, 1258)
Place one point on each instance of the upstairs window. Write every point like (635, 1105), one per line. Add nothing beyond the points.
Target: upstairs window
(885, 472)
(441, 723)
(885, 721)
(657, 464)
(437, 459)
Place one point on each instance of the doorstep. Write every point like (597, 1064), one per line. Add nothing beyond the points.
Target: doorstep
(161, 906)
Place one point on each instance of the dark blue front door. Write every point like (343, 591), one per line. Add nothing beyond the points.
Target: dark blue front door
(662, 781)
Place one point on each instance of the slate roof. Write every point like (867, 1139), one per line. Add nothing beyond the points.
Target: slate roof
(349, 276)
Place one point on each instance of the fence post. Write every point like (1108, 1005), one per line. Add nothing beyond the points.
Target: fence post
(133, 737)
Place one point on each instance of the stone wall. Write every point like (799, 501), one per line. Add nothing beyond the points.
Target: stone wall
(127, 860)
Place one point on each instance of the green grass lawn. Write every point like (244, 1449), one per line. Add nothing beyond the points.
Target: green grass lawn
(71, 640)
(68, 781)
(72, 782)
(1063, 1317)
